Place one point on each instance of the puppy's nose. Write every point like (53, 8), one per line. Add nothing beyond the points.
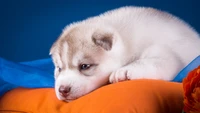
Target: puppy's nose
(64, 90)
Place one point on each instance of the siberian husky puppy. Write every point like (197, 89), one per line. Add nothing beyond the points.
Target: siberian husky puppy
(122, 44)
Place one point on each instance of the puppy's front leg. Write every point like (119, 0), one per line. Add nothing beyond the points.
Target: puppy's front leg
(156, 62)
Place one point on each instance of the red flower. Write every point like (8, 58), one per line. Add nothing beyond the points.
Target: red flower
(191, 87)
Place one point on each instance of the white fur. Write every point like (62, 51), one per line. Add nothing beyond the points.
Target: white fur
(147, 43)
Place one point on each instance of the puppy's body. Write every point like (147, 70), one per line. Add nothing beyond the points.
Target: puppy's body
(126, 43)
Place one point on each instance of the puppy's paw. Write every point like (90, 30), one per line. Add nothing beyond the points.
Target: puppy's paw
(121, 74)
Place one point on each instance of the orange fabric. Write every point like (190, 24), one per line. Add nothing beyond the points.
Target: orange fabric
(136, 96)
(191, 86)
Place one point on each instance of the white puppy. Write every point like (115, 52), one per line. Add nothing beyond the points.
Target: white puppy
(123, 44)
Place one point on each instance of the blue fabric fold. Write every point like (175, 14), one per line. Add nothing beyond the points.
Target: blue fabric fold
(39, 74)
(184, 72)
(33, 74)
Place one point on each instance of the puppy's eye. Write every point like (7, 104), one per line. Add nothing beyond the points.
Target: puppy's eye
(85, 66)
(59, 69)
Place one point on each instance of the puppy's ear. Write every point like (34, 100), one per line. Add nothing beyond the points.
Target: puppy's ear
(104, 40)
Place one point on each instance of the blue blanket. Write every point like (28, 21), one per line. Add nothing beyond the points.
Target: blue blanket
(39, 74)
(33, 74)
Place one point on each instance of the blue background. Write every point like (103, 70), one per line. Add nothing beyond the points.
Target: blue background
(29, 27)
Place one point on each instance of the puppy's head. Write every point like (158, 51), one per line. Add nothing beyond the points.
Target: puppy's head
(84, 56)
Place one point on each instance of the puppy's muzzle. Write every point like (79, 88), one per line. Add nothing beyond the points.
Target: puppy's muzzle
(64, 90)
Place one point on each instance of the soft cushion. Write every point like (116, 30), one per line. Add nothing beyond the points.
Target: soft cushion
(136, 96)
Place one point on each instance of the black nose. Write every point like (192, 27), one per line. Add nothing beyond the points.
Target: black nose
(64, 90)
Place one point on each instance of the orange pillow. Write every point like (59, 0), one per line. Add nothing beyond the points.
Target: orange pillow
(136, 96)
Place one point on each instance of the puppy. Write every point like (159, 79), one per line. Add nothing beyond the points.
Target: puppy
(123, 44)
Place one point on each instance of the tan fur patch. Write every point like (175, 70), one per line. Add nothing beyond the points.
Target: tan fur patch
(77, 42)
